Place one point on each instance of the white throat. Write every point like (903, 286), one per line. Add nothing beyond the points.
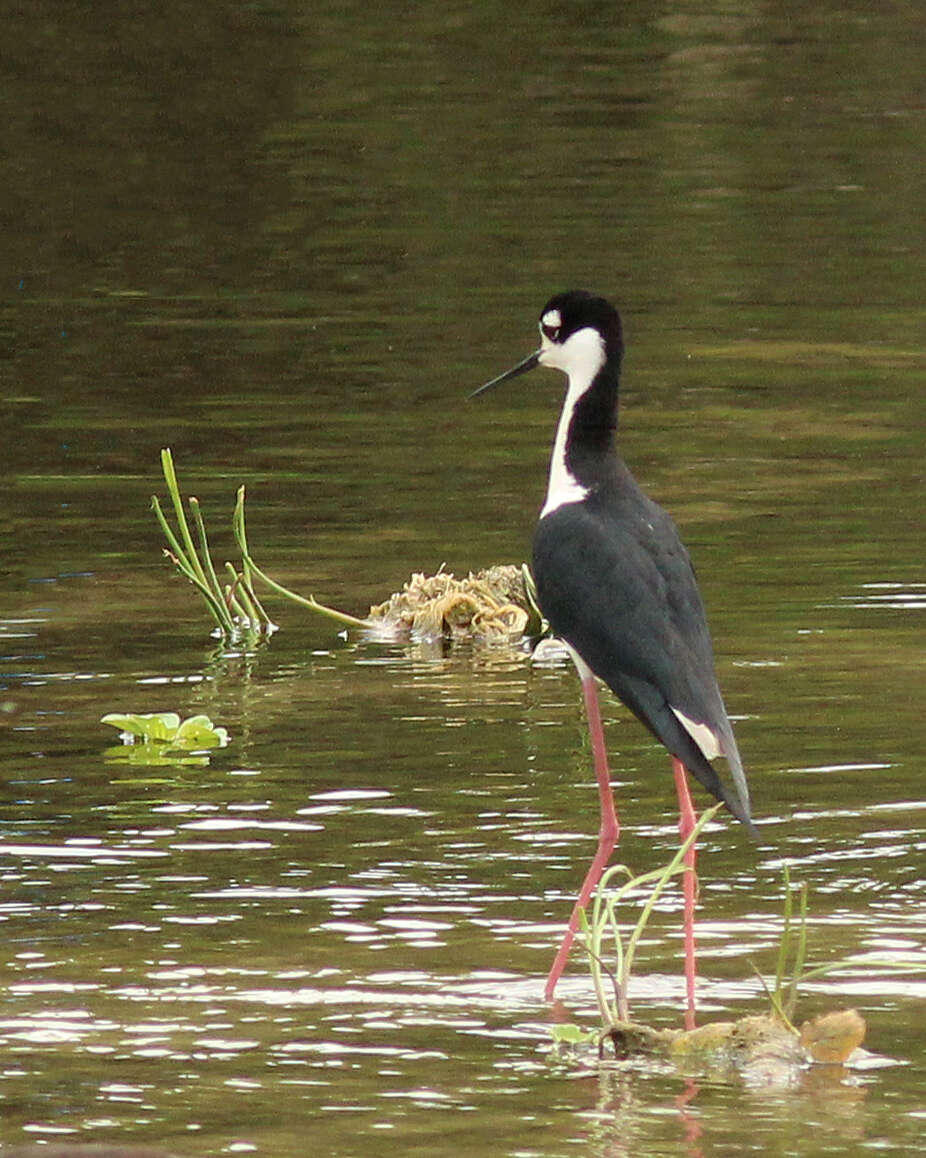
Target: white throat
(581, 356)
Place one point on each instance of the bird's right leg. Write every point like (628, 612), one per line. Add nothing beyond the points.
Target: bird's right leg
(609, 829)
(687, 819)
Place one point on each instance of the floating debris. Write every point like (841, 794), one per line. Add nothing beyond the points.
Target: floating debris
(833, 1037)
(761, 1047)
(766, 1049)
(487, 606)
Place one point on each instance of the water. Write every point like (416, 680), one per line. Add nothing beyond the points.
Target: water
(286, 242)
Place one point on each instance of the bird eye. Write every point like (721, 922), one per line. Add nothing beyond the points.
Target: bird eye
(550, 323)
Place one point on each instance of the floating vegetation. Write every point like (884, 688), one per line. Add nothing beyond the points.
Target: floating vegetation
(163, 738)
(491, 605)
(766, 1048)
(495, 605)
(760, 1046)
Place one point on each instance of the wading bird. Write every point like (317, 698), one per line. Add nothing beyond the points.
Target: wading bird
(616, 585)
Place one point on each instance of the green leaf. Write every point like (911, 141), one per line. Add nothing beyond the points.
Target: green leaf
(160, 726)
(160, 733)
(571, 1034)
(199, 732)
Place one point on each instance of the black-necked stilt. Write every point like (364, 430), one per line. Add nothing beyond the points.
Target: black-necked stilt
(617, 586)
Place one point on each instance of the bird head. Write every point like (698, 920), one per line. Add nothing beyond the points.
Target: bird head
(579, 334)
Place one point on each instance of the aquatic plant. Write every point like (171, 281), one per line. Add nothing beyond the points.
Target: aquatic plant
(767, 1043)
(234, 606)
(783, 998)
(161, 738)
(603, 925)
(166, 728)
(496, 604)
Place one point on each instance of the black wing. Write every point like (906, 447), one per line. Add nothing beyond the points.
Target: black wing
(616, 583)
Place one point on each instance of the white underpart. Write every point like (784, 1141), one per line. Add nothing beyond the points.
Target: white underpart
(585, 672)
(581, 356)
(705, 737)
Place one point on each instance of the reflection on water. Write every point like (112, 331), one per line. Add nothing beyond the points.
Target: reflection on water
(377, 949)
(287, 243)
(898, 596)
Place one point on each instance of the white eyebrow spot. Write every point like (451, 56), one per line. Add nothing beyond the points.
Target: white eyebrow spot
(552, 318)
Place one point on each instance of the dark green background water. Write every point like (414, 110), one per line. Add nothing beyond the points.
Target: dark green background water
(285, 241)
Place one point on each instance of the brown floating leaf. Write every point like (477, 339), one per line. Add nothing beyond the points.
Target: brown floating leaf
(833, 1036)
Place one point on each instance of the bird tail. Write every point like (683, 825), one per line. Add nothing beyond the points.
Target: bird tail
(732, 789)
(697, 745)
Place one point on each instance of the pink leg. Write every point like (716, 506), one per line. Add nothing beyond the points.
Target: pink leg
(608, 832)
(687, 819)
(692, 1127)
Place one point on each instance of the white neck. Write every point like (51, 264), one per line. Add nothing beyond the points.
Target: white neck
(562, 486)
(581, 357)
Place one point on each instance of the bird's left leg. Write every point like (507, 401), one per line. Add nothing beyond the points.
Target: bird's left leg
(687, 819)
(608, 831)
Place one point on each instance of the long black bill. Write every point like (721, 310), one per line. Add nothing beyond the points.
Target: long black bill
(529, 363)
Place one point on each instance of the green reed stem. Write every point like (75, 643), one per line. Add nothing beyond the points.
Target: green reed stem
(604, 921)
